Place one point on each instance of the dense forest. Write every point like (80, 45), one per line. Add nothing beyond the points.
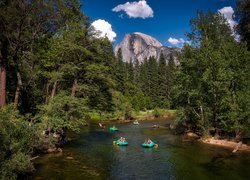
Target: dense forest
(55, 75)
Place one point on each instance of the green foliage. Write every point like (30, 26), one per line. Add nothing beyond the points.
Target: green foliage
(163, 83)
(213, 77)
(63, 112)
(16, 132)
(157, 112)
(122, 105)
(18, 164)
(243, 18)
(120, 72)
(147, 84)
(139, 100)
(151, 83)
(209, 26)
(17, 138)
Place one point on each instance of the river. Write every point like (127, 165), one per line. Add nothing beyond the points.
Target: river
(94, 157)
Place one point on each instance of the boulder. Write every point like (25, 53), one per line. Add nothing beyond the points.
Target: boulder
(192, 135)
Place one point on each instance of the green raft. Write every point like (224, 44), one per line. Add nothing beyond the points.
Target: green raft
(120, 143)
(145, 145)
(113, 129)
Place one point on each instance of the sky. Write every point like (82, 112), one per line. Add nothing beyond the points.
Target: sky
(166, 20)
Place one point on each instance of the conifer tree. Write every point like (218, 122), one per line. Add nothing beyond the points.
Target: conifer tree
(120, 72)
(243, 17)
(171, 70)
(163, 83)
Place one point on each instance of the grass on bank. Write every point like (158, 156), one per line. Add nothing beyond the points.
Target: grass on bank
(156, 113)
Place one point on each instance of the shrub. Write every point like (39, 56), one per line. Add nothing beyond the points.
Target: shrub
(17, 137)
(157, 112)
(63, 112)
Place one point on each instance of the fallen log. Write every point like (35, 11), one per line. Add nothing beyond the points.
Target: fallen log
(33, 158)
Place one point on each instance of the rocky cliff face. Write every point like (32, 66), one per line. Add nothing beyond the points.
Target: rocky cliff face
(140, 46)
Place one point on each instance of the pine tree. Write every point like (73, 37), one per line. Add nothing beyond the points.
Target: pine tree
(120, 72)
(152, 81)
(243, 17)
(163, 83)
(171, 70)
(136, 72)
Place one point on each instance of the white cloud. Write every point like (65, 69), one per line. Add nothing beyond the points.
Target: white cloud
(135, 9)
(104, 29)
(228, 12)
(177, 42)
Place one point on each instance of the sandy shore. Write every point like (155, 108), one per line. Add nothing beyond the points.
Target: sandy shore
(235, 146)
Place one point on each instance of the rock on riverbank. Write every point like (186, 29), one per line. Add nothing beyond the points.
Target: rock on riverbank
(236, 146)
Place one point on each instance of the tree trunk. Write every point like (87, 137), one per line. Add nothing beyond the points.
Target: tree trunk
(53, 92)
(47, 92)
(74, 87)
(2, 86)
(18, 89)
(3, 61)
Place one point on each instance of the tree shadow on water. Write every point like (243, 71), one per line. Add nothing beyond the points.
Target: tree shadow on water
(217, 164)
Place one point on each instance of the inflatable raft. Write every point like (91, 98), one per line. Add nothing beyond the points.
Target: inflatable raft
(113, 129)
(150, 145)
(120, 143)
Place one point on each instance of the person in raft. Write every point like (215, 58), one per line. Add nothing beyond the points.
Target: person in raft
(147, 141)
(122, 139)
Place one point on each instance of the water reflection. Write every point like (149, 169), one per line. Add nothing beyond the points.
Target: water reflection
(95, 157)
(120, 148)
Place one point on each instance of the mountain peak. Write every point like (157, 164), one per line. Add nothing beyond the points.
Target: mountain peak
(140, 46)
(149, 40)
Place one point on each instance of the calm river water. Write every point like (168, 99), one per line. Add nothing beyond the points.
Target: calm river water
(94, 157)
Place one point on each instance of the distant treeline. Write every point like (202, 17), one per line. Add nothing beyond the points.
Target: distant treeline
(148, 84)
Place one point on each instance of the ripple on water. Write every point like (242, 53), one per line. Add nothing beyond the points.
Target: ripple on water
(94, 157)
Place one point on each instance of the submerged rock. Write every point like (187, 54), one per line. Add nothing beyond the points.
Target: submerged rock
(54, 150)
(69, 157)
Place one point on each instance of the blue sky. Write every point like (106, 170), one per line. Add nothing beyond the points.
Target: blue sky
(162, 19)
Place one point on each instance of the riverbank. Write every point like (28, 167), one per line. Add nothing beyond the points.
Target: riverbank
(160, 114)
(156, 114)
(235, 146)
(232, 144)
